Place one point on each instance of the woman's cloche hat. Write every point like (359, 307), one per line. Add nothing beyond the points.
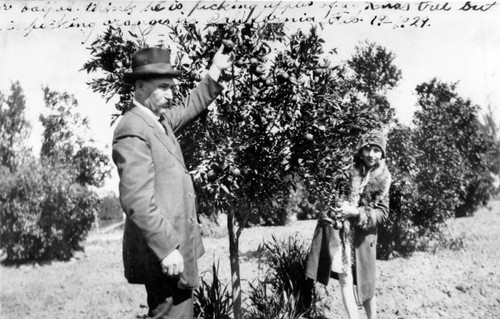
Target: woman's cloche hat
(150, 63)
(374, 137)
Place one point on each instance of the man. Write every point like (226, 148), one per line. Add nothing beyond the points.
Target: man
(161, 242)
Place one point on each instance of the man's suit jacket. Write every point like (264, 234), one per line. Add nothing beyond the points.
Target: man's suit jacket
(156, 190)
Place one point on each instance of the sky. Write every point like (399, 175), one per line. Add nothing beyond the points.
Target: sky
(456, 46)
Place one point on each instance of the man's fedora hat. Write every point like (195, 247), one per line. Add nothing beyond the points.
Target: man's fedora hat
(150, 63)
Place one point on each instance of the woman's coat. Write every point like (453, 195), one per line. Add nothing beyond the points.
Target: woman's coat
(373, 204)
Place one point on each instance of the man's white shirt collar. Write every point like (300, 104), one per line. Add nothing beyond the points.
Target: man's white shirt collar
(150, 113)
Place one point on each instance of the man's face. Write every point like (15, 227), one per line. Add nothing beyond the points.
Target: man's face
(155, 94)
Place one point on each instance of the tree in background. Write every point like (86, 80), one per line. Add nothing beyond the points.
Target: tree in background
(454, 163)
(287, 115)
(374, 75)
(44, 214)
(62, 146)
(397, 234)
(441, 169)
(14, 129)
(59, 140)
(46, 206)
(492, 129)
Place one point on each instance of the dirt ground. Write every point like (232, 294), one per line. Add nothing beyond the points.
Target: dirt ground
(444, 284)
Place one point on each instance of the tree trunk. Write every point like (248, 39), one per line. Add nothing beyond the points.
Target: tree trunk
(234, 259)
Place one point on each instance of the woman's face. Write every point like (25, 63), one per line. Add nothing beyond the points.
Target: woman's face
(371, 155)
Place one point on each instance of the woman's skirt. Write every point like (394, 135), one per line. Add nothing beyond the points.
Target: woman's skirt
(343, 259)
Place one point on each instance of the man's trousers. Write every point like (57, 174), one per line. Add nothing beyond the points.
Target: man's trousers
(169, 303)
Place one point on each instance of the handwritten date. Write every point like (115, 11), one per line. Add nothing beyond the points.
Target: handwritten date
(401, 22)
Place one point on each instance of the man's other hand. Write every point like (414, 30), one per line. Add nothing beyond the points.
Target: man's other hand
(173, 264)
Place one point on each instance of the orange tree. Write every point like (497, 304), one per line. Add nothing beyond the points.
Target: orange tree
(454, 161)
(441, 169)
(287, 115)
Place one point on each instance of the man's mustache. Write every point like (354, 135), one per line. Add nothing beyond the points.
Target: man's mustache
(167, 104)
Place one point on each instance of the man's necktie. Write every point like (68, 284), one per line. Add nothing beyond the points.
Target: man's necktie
(161, 119)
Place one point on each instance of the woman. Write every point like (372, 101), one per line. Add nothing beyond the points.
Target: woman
(349, 253)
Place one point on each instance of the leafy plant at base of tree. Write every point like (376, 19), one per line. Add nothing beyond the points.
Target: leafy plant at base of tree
(212, 299)
(283, 291)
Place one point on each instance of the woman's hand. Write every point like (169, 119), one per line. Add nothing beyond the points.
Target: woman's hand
(347, 210)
